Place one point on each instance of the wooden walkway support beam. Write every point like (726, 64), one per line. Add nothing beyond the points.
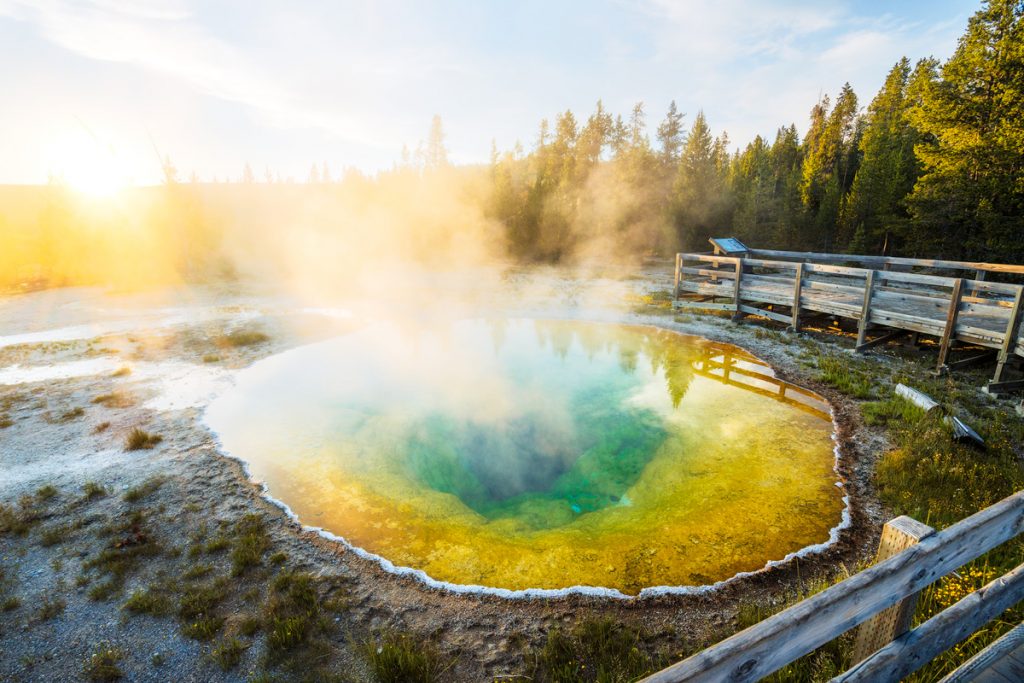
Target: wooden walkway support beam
(865, 311)
(1010, 340)
(950, 329)
(798, 283)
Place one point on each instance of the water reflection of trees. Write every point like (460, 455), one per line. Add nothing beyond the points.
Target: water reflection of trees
(680, 358)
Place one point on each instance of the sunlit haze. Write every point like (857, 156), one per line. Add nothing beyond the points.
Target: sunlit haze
(216, 85)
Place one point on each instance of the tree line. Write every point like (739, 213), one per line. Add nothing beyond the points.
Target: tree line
(934, 166)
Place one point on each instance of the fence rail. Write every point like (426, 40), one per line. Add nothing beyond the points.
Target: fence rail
(782, 638)
(790, 287)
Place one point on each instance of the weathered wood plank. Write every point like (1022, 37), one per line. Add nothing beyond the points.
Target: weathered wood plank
(771, 315)
(969, 670)
(704, 305)
(914, 649)
(950, 328)
(798, 281)
(783, 637)
(736, 289)
(1011, 333)
(879, 261)
(865, 311)
(897, 535)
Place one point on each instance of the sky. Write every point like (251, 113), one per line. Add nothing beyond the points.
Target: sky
(215, 85)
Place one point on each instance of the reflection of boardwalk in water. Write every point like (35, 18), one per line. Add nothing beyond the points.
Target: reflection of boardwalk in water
(729, 365)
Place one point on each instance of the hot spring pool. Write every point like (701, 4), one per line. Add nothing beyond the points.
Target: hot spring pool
(521, 454)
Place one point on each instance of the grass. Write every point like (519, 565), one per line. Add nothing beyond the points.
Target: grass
(251, 541)
(72, 414)
(844, 375)
(10, 603)
(594, 650)
(139, 439)
(91, 490)
(244, 338)
(402, 658)
(54, 535)
(17, 520)
(131, 543)
(101, 427)
(143, 490)
(50, 608)
(103, 664)
(47, 492)
(891, 410)
(122, 371)
(228, 653)
(115, 399)
(211, 358)
(154, 601)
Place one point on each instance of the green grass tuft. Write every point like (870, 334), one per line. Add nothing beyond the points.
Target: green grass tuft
(595, 650)
(103, 664)
(251, 541)
(402, 658)
(139, 439)
(228, 653)
(146, 488)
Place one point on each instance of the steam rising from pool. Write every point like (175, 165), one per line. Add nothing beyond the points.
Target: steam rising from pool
(525, 454)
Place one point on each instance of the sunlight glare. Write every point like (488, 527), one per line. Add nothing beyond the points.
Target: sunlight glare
(88, 167)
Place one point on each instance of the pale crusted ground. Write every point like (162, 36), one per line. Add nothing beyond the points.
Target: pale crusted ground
(202, 494)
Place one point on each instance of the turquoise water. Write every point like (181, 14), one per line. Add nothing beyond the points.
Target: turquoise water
(529, 453)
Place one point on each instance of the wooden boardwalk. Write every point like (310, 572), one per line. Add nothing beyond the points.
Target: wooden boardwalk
(885, 299)
(880, 602)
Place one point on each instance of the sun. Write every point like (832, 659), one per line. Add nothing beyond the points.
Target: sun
(89, 167)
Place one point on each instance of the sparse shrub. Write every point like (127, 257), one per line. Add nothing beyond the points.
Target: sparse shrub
(228, 653)
(54, 534)
(401, 658)
(92, 490)
(150, 601)
(251, 541)
(72, 414)
(115, 399)
(103, 664)
(244, 338)
(203, 628)
(18, 520)
(47, 492)
(197, 571)
(137, 493)
(50, 608)
(139, 439)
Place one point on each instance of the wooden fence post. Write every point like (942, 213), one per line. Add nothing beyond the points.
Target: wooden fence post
(865, 311)
(897, 535)
(1010, 340)
(949, 332)
(736, 291)
(798, 285)
(679, 264)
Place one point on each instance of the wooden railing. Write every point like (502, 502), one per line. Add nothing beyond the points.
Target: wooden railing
(953, 309)
(784, 637)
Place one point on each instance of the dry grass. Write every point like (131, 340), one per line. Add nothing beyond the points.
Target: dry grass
(139, 439)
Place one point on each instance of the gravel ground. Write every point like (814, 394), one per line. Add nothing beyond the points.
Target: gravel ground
(60, 350)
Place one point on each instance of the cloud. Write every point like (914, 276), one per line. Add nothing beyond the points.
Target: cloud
(165, 37)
